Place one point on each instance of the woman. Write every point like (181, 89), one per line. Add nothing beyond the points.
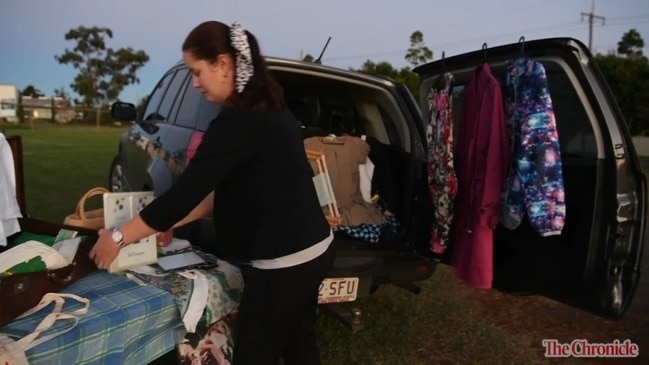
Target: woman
(251, 172)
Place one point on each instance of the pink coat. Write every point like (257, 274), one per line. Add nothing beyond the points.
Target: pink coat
(481, 162)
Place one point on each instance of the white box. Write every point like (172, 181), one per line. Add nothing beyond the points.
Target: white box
(119, 208)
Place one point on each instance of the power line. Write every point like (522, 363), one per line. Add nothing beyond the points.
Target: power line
(564, 26)
(591, 17)
(627, 22)
(629, 17)
(568, 26)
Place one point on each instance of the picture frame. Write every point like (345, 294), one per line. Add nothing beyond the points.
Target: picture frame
(119, 208)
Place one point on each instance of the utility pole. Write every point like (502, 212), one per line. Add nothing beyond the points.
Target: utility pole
(591, 18)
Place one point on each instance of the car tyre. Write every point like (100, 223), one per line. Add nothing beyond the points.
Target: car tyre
(116, 175)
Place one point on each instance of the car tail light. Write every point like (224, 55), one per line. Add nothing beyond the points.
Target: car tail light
(194, 142)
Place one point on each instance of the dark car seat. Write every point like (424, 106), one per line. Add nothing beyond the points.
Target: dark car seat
(307, 114)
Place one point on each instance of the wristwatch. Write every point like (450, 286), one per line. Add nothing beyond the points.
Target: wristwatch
(118, 237)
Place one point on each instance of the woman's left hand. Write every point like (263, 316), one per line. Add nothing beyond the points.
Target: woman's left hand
(105, 250)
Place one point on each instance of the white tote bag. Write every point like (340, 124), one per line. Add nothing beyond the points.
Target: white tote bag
(12, 351)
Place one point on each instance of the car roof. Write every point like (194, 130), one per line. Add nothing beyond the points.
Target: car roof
(529, 48)
(279, 62)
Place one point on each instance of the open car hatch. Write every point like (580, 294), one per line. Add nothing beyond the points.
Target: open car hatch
(594, 264)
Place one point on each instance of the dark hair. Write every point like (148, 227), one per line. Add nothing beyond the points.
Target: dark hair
(210, 39)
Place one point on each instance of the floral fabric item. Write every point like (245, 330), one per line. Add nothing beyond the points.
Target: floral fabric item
(211, 344)
(210, 340)
(442, 181)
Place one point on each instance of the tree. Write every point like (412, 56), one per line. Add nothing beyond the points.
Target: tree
(103, 71)
(631, 44)
(308, 58)
(382, 68)
(61, 93)
(411, 79)
(20, 110)
(403, 76)
(418, 53)
(32, 91)
(627, 77)
(141, 105)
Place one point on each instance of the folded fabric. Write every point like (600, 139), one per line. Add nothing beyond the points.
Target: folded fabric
(34, 256)
(26, 236)
(366, 173)
(9, 209)
(65, 246)
(214, 292)
(370, 232)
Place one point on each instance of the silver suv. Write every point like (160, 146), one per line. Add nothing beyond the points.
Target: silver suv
(594, 264)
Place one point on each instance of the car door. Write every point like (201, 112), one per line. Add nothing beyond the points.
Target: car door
(194, 115)
(193, 118)
(142, 149)
(594, 263)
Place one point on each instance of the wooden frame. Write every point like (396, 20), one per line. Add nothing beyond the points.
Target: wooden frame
(322, 178)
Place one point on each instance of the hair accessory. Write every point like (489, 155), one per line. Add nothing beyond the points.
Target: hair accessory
(244, 68)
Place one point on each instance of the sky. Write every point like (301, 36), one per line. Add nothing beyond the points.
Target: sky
(32, 31)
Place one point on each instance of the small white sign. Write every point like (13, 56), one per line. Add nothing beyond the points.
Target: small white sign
(119, 208)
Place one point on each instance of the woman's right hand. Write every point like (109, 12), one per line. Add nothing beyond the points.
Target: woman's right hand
(105, 250)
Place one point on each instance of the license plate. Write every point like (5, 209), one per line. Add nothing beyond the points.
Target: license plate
(338, 290)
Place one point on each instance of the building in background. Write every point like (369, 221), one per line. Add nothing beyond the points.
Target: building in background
(9, 103)
(55, 109)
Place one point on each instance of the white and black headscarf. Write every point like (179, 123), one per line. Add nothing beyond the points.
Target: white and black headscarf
(244, 66)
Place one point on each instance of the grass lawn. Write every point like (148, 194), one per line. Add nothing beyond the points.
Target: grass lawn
(438, 326)
(441, 325)
(61, 164)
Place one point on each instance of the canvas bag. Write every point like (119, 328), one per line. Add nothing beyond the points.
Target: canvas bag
(21, 292)
(13, 352)
(91, 219)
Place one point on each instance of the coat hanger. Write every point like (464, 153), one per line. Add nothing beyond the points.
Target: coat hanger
(444, 61)
(440, 82)
(484, 52)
